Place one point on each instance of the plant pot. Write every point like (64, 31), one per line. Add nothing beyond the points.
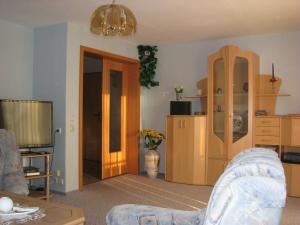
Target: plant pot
(151, 163)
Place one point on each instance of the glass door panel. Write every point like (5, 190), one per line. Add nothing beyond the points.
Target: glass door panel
(219, 98)
(115, 111)
(240, 99)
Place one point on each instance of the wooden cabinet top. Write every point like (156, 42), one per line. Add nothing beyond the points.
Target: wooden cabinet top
(288, 116)
(269, 116)
(186, 115)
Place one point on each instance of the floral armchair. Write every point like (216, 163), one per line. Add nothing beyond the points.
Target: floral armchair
(11, 172)
(251, 191)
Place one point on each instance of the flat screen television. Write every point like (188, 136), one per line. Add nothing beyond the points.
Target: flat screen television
(31, 122)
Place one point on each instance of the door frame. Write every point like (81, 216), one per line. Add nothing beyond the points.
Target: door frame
(133, 109)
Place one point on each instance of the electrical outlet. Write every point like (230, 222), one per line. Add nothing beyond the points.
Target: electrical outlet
(58, 180)
(58, 131)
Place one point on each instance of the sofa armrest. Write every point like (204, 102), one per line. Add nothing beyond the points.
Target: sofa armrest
(16, 183)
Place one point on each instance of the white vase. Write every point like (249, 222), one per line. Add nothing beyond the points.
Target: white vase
(151, 163)
(179, 96)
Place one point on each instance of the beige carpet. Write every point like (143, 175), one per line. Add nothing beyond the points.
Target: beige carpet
(98, 198)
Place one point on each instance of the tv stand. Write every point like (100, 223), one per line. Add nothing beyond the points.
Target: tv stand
(46, 174)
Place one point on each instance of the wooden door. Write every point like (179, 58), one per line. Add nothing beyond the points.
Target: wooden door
(115, 76)
(217, 106)
(242, 69)
(185, 155)
(123, 155)
(183, 136)
(292, 172)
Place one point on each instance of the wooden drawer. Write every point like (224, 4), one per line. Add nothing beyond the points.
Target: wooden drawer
(267, 122)
(267, 140)
(267, 131)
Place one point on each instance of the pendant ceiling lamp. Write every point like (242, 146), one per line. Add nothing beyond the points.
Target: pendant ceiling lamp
(113, 19)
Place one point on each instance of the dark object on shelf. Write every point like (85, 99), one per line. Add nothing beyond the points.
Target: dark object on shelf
(35, 188)
(273, 79)
(180, 108)
(261, 112)
(30, 169)
(29, 174)
(291, 157)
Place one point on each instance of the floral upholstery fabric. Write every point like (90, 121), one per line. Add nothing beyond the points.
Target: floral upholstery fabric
(251, 191)
(11, 171)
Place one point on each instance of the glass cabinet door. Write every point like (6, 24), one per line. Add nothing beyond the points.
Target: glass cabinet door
(240, 99)
(219, 98)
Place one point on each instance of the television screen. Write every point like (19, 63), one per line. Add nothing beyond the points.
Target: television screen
(31, 122)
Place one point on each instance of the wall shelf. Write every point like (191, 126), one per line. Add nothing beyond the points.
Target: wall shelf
(272, 95)
(196, 96)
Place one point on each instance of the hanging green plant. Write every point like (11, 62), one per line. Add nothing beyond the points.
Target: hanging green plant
(148, 63)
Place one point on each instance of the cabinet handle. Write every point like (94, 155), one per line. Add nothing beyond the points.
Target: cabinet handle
(179, 124)
(183, 123)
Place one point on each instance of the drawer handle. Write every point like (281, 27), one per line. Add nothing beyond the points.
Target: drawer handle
(266, 140)
(266, 131)
(266, 122)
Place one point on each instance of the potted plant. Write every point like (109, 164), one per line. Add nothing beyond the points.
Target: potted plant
(179, 92)
(152, 139)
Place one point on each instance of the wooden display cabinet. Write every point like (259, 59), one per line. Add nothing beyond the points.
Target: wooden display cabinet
(231, 98)
(185, 149)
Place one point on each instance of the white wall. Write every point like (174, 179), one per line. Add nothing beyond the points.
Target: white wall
(49, 83)
(185, 64)
(79, 35)
(16, 61)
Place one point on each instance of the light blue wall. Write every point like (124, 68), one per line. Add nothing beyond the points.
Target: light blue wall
(49, 83)
(16, 61)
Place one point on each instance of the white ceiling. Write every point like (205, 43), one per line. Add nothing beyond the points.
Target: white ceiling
(168, 21)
